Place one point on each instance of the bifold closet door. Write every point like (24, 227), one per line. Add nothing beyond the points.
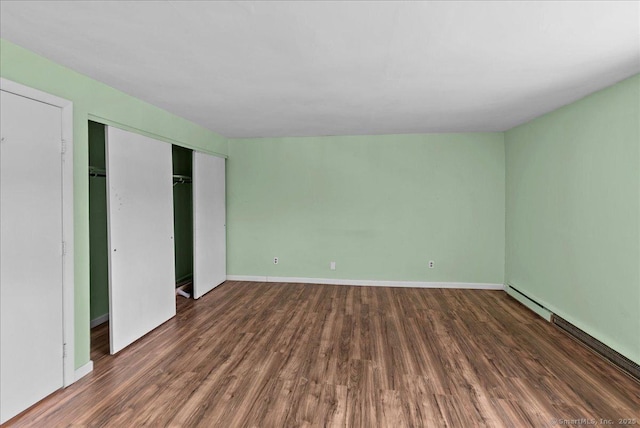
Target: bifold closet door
(141, 252)
(209, 218)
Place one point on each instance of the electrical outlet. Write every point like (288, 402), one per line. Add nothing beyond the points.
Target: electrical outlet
(332, 266)
(275, 260)
(432, 264)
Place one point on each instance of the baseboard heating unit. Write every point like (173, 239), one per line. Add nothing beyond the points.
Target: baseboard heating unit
(528, 302)
(622, 362)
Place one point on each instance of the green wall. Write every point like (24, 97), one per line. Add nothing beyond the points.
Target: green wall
(573, 213)
(95, 98)
(381, 207)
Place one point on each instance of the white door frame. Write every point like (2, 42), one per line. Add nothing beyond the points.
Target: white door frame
(66, 107)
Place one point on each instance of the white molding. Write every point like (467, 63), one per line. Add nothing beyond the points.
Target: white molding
(83, 371)
(99, 320)
(370, 283)
(246, 278)
(35, 94)
(68, 319)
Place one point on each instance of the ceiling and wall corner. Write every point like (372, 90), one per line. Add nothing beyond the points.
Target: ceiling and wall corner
(273, 69)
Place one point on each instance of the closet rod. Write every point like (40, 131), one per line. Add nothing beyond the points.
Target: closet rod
(96, 172)
(177, 179)
(181, 179)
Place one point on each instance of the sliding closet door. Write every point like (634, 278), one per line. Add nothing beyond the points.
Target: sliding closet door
(209, 218)
(141, 252)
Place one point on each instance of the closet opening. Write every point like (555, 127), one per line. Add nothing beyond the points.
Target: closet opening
(98, 243)
(183, 219)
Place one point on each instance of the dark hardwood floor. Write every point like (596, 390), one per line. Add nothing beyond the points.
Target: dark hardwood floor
(282, 355)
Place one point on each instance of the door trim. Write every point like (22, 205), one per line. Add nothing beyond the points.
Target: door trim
(68, 320)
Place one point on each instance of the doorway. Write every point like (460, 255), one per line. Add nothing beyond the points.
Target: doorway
(183, 219)
(98, 242)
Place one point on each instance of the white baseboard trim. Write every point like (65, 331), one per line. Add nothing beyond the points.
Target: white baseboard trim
(99, 320)
(366, 282)
(247, 278)
(84, 370)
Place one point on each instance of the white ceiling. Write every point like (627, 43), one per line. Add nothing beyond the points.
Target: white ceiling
(259, 69)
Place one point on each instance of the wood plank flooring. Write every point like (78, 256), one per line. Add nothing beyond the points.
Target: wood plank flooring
(285, 355)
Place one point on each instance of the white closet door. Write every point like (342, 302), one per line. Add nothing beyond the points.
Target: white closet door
(209, 218)
(31, 332)
(141, 253)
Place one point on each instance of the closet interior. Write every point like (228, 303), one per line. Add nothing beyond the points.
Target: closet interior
(98, 234)
(183, 219)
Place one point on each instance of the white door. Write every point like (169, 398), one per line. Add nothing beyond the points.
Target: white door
(31, 330)
(209, 218)
(141, 253)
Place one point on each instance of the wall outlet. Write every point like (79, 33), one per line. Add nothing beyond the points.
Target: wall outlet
(332, 265)
(432, 264)
(275, 260)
